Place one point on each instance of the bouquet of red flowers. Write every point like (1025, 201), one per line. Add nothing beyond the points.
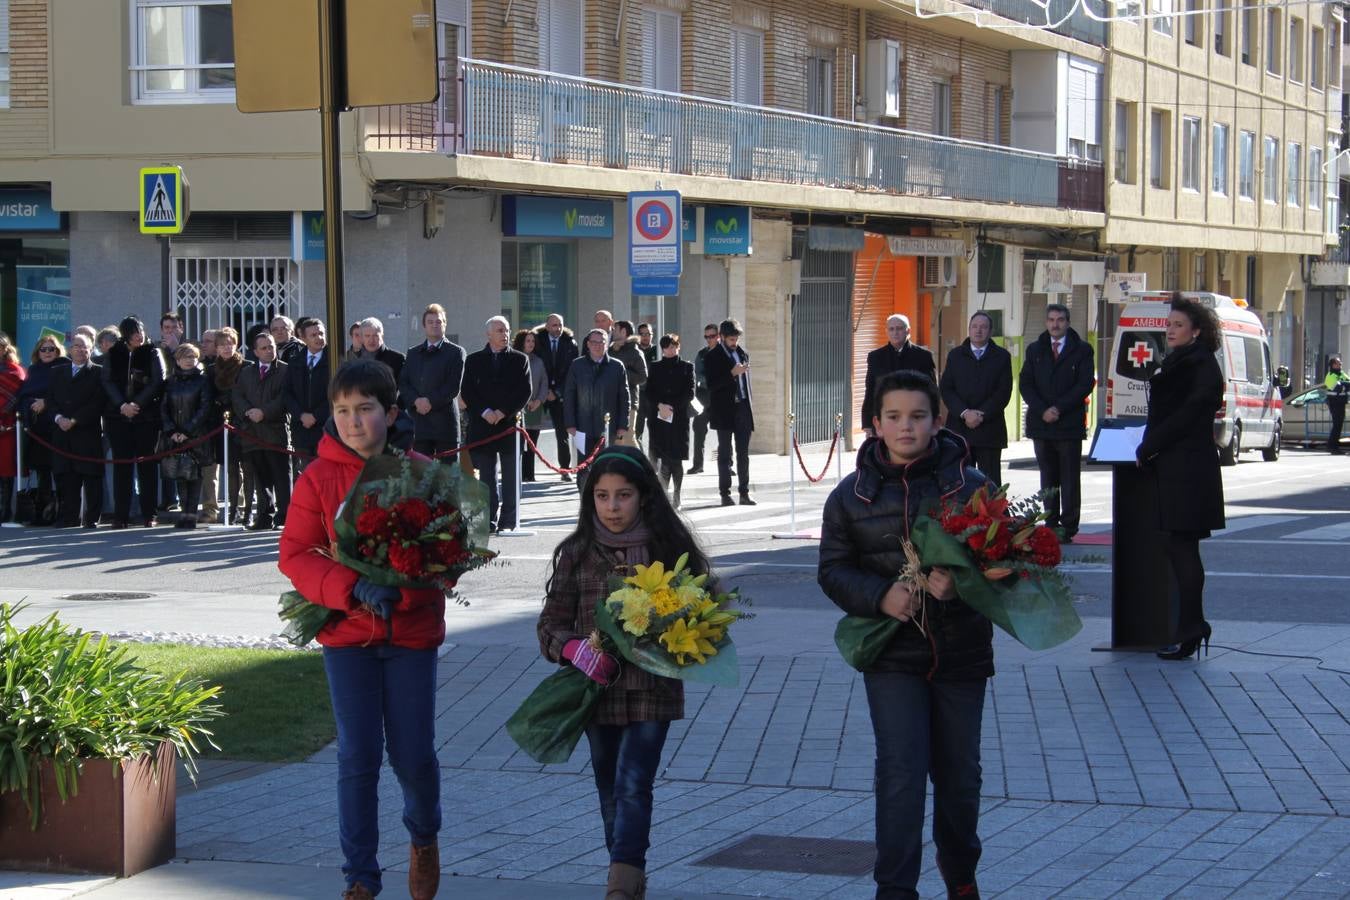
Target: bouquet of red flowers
(406, 522)
(1004, 563)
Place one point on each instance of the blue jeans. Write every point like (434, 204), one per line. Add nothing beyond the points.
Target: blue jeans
(383, 693)
(625, 759)
(925, 729)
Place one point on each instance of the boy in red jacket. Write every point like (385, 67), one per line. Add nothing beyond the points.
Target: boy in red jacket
(380, 653)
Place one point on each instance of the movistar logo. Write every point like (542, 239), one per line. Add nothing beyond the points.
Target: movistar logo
(727, 226)
(316, 226)
(572, 218)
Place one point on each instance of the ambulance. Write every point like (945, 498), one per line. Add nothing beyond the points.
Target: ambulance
(1251, 414)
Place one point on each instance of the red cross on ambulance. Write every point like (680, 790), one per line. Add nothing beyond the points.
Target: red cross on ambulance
(1141, 353)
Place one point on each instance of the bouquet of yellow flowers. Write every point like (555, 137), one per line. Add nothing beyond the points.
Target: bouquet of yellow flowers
(669, 623)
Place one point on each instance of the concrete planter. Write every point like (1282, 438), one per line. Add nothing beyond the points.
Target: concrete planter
(121, 822)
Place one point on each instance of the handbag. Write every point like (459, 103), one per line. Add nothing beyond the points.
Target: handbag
(179, 466)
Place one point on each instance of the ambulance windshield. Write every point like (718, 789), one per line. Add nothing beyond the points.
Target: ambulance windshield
(1139, 353)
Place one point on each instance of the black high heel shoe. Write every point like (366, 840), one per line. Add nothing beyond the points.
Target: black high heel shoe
(1185, 649)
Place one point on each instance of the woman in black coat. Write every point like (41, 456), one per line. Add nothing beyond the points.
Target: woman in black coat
(669, 388)
(133, 379)
(35, 399)
(188, 413)
(1178, 446)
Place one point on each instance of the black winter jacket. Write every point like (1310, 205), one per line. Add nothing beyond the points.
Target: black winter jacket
(860, 557)
(189, 403)
(984, 384)
(133, 376)
(886, 359)
(1065, 383)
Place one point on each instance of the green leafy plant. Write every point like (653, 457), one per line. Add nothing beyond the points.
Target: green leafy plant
(66, 697)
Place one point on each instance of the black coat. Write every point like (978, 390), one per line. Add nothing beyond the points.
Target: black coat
(669, 381)
(860, 556)
(1065, 383)
(133, 376)
(307, 392)
(507, 390)
(289, 351)
(391, 358)
(436, 375)
(189, 405)
(885, 360)
(557, 366)
(717, 366)
(984, 384)
(79, 397)
(267, 394)
(594, 389)
(1178, 446)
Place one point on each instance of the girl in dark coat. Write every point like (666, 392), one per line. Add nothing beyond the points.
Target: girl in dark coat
(1178, 446)
(669, 389)
(35, 406)
(188, 411)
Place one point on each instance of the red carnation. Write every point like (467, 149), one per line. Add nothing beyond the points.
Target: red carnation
(371, 521)
(449, 553)
(406, 560)
(1044, 547)
(414, 514)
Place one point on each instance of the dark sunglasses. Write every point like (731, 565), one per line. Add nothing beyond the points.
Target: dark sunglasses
(710, 337)
(48, 349)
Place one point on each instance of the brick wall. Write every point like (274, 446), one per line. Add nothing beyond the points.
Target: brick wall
(28, 87)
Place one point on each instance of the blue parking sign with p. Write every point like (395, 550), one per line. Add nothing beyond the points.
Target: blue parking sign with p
(163, 200)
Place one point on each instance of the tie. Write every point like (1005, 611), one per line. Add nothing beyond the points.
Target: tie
(979, 353)
(313, 360)
(554, 343)
(496, 363)
(1054, 348)
(262, 371)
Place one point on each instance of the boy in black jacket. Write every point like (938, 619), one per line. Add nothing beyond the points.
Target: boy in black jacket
(925, 691)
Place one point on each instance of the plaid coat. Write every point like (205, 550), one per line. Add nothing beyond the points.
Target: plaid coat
(569, 612)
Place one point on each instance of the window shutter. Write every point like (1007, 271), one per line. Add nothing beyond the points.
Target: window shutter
(660, 50)
(650, 26)
(454, 11)
(564, 36)
(4, 25)
(746, 84)
(1078, 103)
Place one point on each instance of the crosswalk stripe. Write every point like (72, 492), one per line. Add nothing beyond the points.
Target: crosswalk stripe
(1338, 532)
(707, 514)
(1246, 523)
(805, 519)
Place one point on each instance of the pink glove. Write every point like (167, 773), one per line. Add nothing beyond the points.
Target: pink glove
(596, 665)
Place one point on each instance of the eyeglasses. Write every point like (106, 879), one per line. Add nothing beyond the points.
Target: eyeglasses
(48, 349)
(710, 337)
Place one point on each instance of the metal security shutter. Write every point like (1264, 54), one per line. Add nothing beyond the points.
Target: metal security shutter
(560, 28)
(747, 67)
(660, 50)
(210, 292)
(820, 338)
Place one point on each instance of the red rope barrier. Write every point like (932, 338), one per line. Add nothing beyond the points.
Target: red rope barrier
(802, 464)
(584, 464)
(153, 457)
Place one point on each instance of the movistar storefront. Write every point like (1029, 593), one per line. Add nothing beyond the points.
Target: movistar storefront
(34, 267)
(547, 245)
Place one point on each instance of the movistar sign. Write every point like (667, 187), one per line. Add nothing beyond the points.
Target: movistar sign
(557, 217)
(726, 230)
(28, 210)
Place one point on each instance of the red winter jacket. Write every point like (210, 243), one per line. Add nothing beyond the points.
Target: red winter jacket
(418, 621)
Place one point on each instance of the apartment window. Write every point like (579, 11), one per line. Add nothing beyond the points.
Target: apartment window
(1316, 53)
(1293, 192)
(184, 52)
(660, 50)
(1084, 109)
(747, 66)
(1124, 143)
(1334, 55)
(996, 119)
(1295, 49)
(820, 83)
(1316, 183)
(1162, 9)
(1218, 168)
(1273, 41)
(4, 54)
(1221, 27)
(561, 27)
(1270, 170)
(1190, 153)
(1159, 147)
(1246, 152)
(1248, 18)
(1200, 271)
(942, 107)
(1193, 23)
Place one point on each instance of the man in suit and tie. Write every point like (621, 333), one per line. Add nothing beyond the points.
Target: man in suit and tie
(898, 353)
(259, 405)
(555, 345)
(307, 390)
(429, 386)
(731, 415)
(496, 387)
(77, 401)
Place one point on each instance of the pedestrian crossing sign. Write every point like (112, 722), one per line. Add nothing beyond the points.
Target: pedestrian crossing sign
(163, 200)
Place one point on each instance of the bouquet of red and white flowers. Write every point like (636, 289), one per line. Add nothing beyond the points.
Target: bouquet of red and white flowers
(1004, 563)
(406, 522)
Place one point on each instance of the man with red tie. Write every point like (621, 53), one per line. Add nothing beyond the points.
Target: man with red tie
(259, 404)
(1057, 380)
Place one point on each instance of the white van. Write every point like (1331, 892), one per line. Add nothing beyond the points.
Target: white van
(1251, 414)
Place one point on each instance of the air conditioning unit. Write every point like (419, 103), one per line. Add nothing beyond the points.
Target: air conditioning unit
(881, 85)
(939, 271)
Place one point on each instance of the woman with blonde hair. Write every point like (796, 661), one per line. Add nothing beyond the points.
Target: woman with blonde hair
(12, 376)
(34, 402)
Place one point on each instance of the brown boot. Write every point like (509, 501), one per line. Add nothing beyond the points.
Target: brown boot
(358, 891)
(625, 882)
(424, 871)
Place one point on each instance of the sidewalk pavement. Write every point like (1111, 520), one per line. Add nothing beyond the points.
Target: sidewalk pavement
(1106, 774)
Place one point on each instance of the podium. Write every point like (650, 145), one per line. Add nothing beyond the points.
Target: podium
(1142, 585)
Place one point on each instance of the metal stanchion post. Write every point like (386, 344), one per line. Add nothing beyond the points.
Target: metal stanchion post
(225, 481)
(517, 531)
(838, 447)
(18, 473)
(792, 534)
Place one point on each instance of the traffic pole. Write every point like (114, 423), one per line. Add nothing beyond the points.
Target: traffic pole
(792, 473)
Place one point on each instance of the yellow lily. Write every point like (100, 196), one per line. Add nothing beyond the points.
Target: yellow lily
(650, 578)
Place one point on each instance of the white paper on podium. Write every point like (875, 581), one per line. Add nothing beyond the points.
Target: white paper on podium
(1117, 445)
(579, 441)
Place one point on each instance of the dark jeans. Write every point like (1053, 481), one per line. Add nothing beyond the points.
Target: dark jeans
(486, 460)
(70, 485)
(1335, 406)
(625, 759)
(272, 480)
(740, 434)
(190, 493)
(925, 730)
(700, 430)
(1061, 466)
(129, 439)
(988, 460)
(564, 440)
(383, 694)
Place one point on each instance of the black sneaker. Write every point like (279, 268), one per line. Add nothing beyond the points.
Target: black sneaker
(727, 501)
(696, 470)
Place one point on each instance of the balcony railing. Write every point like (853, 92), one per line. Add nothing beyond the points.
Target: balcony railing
(504, 111)
(1064, 17)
